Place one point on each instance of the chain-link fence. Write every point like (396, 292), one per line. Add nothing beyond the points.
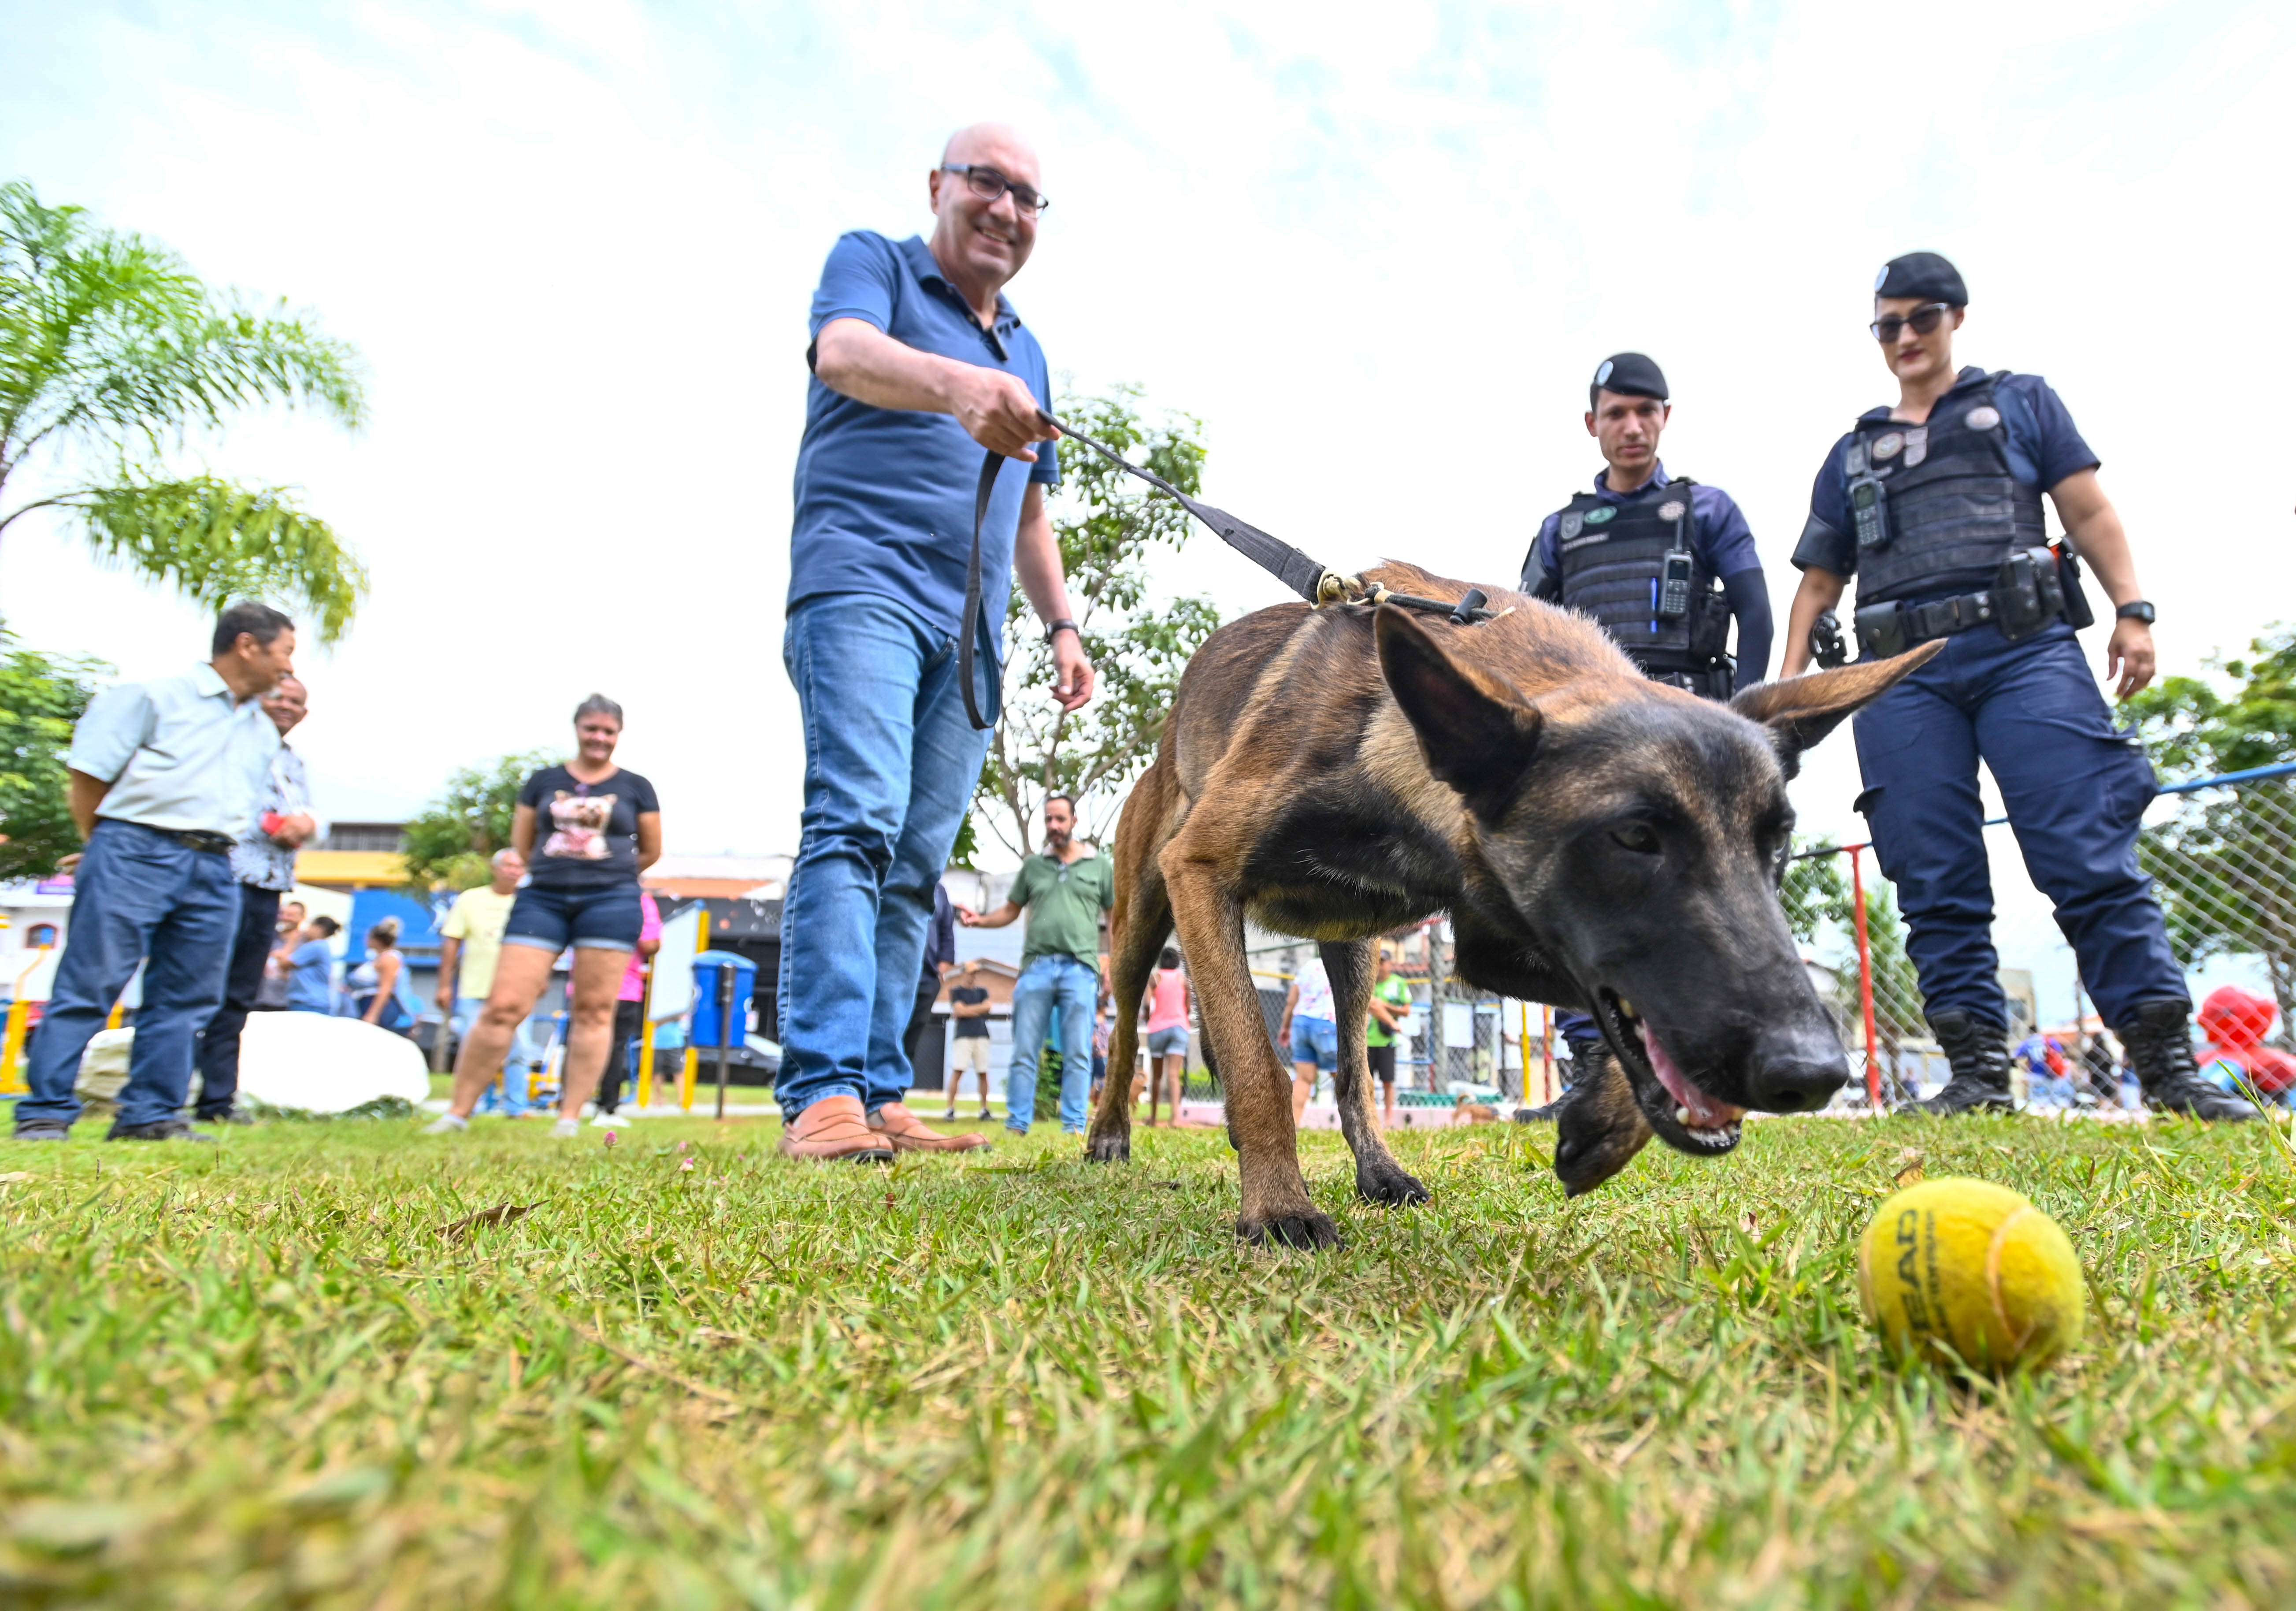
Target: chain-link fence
(2222, 852)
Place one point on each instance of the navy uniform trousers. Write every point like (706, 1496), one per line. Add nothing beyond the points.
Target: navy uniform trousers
(2074, 787)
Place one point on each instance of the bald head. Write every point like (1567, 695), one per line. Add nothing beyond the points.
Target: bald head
(982, 241)
(994, 144)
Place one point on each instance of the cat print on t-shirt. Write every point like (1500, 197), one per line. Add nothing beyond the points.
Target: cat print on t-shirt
(577, 825)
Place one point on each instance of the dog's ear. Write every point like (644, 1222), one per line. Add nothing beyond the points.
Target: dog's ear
(1478, 736)
(1803, 709)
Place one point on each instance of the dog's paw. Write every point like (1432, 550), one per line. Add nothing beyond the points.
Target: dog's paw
(1303, 1228)
(1115, 1148)
(1385, 1184)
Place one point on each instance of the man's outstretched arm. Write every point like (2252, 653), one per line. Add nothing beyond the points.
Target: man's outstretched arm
(996, 409)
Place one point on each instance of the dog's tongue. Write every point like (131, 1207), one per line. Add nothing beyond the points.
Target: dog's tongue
(1705, 1111)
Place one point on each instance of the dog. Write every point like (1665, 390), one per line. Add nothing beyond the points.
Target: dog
(1601, 842)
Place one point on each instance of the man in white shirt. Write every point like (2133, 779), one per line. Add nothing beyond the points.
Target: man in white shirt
(263, 863)
(166, 777)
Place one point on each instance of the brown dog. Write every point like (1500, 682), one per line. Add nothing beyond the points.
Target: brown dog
(1600, 842)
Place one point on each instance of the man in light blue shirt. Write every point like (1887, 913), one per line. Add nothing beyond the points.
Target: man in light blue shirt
(166, 777)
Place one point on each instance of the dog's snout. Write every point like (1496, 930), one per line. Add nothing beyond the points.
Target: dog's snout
(1793, 1075)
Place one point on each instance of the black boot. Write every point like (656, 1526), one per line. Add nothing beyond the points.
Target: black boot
(2159, 1043)
(1979, 1052)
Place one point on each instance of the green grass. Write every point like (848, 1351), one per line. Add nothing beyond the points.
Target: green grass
(262, 1377)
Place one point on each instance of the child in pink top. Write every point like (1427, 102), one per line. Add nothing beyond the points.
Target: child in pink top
(630, 1009)
(1168, 1033)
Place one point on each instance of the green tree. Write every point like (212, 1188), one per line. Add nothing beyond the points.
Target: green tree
(450, 843)
(1815, 890)
(2223, 859)
(41, 697)
(1108, 524)
(113, 353)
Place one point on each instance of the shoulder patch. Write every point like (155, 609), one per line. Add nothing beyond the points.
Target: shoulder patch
(1573, 523)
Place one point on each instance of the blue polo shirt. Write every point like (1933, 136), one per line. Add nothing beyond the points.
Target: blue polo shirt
(1718, 533)
(884, 495)
(2043, 448)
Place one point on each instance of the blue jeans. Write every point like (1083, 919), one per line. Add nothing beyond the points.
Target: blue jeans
(890, 763)
(1315, 1041)
(138, 895)
(1050, 982)
(2074, 788)
(511, 1094)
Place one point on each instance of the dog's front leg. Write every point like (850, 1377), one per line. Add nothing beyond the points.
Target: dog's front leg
(1211, 923)
(1600, 1126)
(1379, 1178)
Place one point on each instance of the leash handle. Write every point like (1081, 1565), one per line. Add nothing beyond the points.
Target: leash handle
(974, 628)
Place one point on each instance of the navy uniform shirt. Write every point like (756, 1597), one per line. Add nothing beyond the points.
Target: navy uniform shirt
(884, 495)
(1719, 534)
(2043, 450)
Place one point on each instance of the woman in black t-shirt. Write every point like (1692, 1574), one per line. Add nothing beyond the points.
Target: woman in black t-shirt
(587, 829)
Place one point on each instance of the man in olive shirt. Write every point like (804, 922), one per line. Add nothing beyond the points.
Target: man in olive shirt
(1064, 890)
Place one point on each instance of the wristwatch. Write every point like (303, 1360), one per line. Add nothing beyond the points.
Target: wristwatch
(1054, 629)
(2136, 609)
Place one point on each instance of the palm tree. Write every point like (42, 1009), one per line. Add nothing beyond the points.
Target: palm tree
(112, 352)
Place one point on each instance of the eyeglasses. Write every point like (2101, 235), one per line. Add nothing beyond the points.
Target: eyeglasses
(988, 184)
(1924, 319)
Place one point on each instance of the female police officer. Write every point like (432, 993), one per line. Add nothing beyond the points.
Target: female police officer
(1935, 506)
(1663, 565)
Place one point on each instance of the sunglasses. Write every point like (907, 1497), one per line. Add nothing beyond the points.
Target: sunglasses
(1924, 321)
(988, 184)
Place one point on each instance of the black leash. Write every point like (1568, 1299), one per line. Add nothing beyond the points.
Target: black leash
(1304, 576)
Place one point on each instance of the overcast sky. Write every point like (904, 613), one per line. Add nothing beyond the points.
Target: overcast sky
(1379, 253)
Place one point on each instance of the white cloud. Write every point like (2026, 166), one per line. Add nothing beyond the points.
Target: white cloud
(1378, 250)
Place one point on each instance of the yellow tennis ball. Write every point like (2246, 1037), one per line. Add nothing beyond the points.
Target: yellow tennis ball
(1974, 1266)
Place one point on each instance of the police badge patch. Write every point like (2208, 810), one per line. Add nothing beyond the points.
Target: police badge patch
(1890, 444)
(1671, 510)
(1601, 513)
(1572, 524)
(1983, 417)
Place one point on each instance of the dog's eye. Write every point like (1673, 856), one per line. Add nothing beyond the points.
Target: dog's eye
(1636, 837)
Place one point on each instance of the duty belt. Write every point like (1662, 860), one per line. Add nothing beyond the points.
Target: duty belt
(2034, 588)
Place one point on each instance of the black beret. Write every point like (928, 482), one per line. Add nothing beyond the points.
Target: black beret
(1629, 374)
(1923, 275)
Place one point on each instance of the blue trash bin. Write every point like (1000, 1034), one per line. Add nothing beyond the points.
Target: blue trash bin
(708, 969)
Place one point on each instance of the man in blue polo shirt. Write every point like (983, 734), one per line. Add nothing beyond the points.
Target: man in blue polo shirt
(1934, 506)
(918, 364)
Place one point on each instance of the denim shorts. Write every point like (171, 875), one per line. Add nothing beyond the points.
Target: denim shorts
(605, 920)
(1315, 1041)
(1168, 1042)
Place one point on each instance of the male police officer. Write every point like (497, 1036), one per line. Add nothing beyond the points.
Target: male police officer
(1935, 506)
(1663, 565)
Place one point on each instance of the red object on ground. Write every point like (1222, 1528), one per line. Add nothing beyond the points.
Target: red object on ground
(2235, 1022)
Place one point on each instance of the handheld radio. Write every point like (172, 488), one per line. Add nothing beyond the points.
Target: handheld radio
(1869, 502)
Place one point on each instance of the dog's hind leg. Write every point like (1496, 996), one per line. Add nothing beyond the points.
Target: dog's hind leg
(1379, 1178)
(1139, 927)
(1258, 1091)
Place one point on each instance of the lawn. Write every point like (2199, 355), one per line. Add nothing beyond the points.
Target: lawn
(263, 1376)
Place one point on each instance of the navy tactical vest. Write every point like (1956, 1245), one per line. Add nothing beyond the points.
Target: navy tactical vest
(1954, 510)
(1612, 559)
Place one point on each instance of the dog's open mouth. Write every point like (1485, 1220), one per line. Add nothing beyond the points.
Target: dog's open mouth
(1686, 1118)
